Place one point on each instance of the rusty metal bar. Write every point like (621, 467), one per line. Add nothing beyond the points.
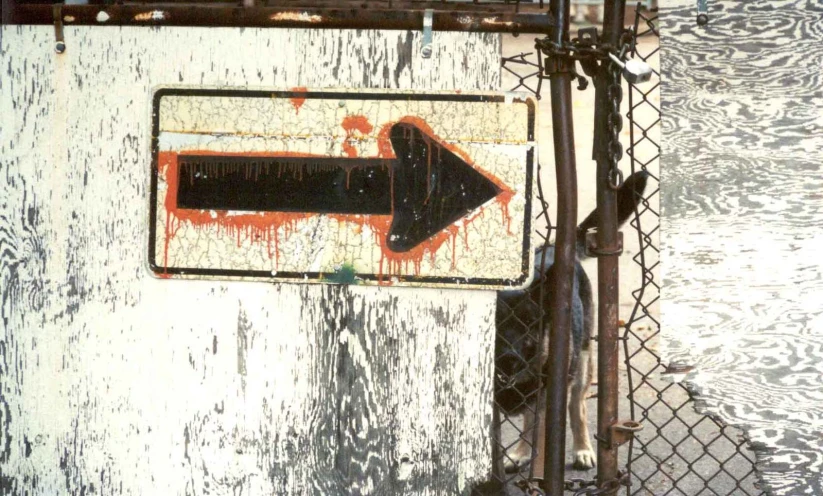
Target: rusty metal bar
(539, 434)
(564, 255)
(467, 19)
(5, 11)
(608, 244)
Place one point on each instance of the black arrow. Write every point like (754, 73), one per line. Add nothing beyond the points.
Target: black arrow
(426, 188)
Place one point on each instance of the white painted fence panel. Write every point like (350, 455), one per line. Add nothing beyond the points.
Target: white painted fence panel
(114, 382)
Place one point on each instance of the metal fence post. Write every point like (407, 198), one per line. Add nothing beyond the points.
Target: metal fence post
(560, 330)
(608, 248)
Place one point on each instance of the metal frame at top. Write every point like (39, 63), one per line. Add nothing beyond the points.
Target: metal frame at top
(491, 17)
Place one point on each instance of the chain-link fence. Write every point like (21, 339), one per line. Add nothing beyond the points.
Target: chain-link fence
(679, 451)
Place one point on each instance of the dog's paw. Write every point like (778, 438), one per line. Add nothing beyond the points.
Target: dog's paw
(584, 459)
(515, 465)
(516, 459)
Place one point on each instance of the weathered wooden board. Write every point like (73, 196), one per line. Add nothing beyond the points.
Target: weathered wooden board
(742, 218)
(115, 382)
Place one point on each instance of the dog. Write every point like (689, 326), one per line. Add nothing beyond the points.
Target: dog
(517, 346)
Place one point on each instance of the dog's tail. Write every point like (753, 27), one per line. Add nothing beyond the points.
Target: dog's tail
(628, 197)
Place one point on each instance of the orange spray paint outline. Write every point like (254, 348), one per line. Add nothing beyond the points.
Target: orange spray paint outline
(266, 226)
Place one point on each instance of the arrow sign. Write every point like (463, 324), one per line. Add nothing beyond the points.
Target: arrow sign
(425, 189)
(356, 187)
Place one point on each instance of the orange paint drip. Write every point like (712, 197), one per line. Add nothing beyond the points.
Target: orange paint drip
(392, 263)
(503, 200)
(298, 101)
(480, 214)
(454, 231)
(350, 124)
(254, 227)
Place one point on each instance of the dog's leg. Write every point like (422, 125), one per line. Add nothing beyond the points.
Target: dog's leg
(584, 456)
(521, 453)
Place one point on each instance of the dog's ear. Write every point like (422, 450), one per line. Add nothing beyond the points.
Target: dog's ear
(630, 194)
(628, 197)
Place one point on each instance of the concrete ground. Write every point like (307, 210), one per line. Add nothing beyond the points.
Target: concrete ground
(662, 464)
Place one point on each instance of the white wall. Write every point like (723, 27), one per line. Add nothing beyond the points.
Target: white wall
(112, 381)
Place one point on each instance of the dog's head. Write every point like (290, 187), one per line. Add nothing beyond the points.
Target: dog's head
(517, 349)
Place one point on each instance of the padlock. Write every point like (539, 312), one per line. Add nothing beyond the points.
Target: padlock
(635, 71)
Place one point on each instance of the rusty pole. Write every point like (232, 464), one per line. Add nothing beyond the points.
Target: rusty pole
(608, 249)
(564, 255)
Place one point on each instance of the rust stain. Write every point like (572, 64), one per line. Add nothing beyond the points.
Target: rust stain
(298, 101)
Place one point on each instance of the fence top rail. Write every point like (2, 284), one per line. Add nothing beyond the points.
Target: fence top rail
(494, 17)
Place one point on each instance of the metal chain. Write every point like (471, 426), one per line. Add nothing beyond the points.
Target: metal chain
(580, 487)
(531, 487)
(579, 51)
(578, 484)
(615, 95)
(583, 487)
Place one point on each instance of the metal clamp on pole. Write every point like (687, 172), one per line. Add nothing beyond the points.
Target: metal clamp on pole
(702, 12)
(593, 250)
(60, 44)
(623, 431)
(428, 23)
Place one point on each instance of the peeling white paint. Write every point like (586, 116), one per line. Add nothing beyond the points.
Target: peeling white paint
(174, 387)
(154, 15)
(296, 17)
(494, 21)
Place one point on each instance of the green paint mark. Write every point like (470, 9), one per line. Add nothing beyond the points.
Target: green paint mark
(343, 275)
